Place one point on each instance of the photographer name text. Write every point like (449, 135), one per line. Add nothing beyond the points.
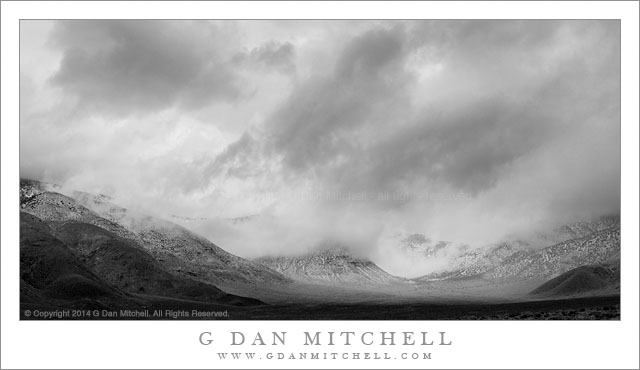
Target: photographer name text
(346, 338)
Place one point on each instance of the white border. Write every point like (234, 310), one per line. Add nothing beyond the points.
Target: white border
(174, 344)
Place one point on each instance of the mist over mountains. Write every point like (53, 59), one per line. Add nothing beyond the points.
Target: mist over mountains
(408, 256)
(83, 247)
(344, 130)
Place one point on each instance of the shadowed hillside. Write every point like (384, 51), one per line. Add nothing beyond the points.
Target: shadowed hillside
(582, 280)
(72, 253)
(48, 268)
(175, 248)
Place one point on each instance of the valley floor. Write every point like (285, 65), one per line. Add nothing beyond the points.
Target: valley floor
(583, 308)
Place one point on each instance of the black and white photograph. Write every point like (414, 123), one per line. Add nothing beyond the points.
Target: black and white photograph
(320, 169)
(319, 185)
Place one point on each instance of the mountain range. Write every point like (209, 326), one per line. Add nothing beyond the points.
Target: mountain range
(591, 243)
(83, 250)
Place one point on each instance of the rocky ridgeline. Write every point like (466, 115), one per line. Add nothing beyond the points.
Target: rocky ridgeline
(331, 266)
(581, 229)
(40, 200)
(188, 253)
(508, 261)
(181, 250)
(599, 247)
(517, 253)
(570, 231)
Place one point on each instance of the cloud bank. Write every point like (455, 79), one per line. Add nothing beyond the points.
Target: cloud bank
(351, 132)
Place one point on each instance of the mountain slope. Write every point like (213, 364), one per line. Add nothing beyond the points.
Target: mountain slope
(48, 268)
(599, 247)
(79, 260)
(477, 262)
(184, 252)
(119, 258)
(507, 261)
(40, 200)
(175, 248)
(332, 266)
(582, 280)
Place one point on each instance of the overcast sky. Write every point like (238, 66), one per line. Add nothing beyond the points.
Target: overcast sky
(353, 132)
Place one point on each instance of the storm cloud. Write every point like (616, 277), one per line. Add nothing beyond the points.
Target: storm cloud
(126, 67)
(342, 131)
